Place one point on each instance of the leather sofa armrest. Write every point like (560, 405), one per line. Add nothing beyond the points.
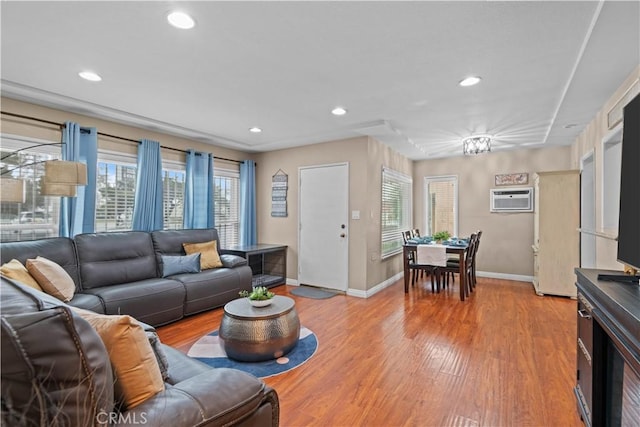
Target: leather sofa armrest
(231, 261)
(215, 397)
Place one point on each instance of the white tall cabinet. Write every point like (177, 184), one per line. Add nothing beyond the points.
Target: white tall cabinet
(556, 241)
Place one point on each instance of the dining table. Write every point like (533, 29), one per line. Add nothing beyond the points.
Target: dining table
(458, 249)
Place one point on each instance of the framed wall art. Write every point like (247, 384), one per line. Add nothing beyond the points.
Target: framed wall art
(512, 179)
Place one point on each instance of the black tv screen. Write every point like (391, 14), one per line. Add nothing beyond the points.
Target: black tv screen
(629, 219)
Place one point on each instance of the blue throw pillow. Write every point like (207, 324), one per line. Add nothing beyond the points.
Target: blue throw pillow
(180, 264)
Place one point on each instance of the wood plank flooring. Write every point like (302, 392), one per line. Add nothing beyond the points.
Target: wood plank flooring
(505, 357)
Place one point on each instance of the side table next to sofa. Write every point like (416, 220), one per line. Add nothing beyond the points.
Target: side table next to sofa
(268, 262)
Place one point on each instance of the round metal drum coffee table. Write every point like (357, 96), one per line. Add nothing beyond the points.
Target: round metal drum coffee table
(253, 334)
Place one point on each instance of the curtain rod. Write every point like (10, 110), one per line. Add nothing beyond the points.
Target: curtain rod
(62, 126)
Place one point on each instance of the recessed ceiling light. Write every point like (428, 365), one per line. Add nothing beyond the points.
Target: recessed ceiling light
(470, 81)
(338, 111)
(181, 20)
(89, 75)
(255, 129)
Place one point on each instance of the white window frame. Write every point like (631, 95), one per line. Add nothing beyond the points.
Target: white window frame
(30, 231)
(229, 173)
(117, 158)
(393, 235)
(611, 169)
(427, 202)
(174, 166)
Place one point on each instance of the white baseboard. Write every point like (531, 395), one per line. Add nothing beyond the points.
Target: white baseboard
(377, 288)
(393, 279)
(492, 275)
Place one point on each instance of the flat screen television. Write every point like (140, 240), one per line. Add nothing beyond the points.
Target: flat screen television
(629, 219)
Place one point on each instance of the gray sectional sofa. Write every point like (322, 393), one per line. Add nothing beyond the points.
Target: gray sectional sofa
(121, 273)
(56, 371)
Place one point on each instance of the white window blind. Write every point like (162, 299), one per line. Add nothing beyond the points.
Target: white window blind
(38, 216)
(226, 203)
(173, 197)
(115, 195)
(611, 162)
(397, 210)
(441, 196)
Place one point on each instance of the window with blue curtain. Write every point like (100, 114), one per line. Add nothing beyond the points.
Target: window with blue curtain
(199, 192)
(77, 214)
(148, 209)
(248, 227)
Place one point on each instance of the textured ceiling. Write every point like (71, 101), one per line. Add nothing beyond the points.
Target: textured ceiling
(546, 67)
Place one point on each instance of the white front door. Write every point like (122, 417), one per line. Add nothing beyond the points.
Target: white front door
(323, 242)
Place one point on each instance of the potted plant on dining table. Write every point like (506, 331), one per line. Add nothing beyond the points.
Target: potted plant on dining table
(441, 236)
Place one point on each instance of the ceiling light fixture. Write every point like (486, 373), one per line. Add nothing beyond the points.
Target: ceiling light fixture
(476, 144)
(470, 81)
(339, 111)
(255, 129)
(181, 20)
(90, 75)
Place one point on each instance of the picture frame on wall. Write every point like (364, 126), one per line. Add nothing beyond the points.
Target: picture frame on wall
(520, 178)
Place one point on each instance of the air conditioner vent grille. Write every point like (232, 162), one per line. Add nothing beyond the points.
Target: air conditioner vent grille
(512, 200)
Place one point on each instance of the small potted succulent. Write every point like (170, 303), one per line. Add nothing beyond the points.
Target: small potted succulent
(441, 236)
(260, 296)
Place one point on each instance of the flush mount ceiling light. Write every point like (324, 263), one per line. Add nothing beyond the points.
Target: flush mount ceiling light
(476, 144)
(255, 129)
(470, 81)
(90, 75)
(181, 20)
(339, 111)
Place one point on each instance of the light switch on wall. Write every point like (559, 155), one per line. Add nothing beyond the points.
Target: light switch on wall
(355, 214)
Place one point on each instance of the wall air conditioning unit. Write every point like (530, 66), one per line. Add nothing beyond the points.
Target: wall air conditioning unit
(512, 199)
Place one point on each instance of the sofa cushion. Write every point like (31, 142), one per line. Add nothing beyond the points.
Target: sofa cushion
(107, 259)
(52, 278)
(60, 250)
(15, 270)
(169, 242)
(213, 288)
(137, 374)
(153, 301)
(49, 352)
(180, 264)
(209, 257)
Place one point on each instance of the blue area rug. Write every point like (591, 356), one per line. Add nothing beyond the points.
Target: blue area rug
(208, 350)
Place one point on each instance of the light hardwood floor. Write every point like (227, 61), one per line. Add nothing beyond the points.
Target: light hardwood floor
(504, 357)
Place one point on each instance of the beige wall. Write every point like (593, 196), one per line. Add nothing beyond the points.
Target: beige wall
(590, 141)
(365, 157)
(34, 129)
(506, 237)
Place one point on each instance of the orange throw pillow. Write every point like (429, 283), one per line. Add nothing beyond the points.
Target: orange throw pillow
(52, 278)
(16, 271)
(134, 363)
(209, 257)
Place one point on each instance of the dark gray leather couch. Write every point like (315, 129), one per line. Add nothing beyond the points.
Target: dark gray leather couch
(56, 372)
(121, 273)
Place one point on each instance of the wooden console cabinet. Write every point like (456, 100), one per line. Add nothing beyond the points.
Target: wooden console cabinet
(268, 262)
(608, 360)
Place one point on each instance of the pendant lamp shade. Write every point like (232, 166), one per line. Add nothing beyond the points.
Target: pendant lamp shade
(11, 190)
(65, 172)
(61, 190)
